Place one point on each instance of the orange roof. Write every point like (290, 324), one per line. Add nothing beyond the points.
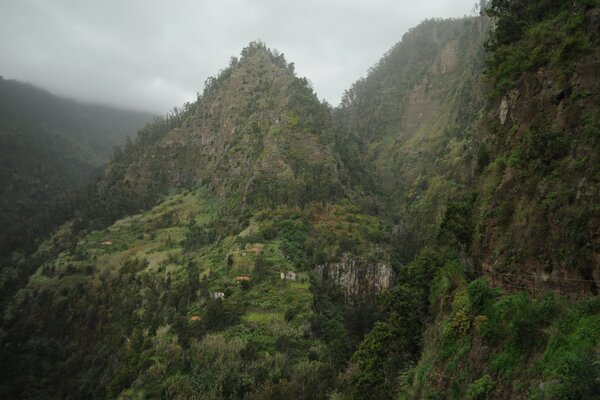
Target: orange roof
(253, 249)
(242, 278)
(195, 318)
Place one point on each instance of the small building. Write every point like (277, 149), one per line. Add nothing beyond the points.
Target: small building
(253, 249)
(242, 278)
(107, 243)
(217, 295)
(288, 275)
(195, 318)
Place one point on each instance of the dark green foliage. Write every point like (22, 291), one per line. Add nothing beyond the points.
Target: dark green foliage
(513, 17)
(393, 344)
(389, 347)
(50, 146)
(218, 316)
(569, 356)
(199, 235)
(518, 320)
(419, 274)
(371, 359)
(480, 389)
(293, 234)
(457, 227)
(481, 295)
(185, 300)
(529, 339)
(529, 35)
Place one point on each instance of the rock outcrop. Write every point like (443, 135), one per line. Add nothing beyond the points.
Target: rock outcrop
(358, 279)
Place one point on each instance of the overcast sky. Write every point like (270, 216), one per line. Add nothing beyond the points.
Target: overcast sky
(153, 55)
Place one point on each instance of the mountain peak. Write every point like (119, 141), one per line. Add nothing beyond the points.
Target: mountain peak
(258, 133)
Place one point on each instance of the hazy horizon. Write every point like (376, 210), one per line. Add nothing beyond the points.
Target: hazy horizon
(84, 51)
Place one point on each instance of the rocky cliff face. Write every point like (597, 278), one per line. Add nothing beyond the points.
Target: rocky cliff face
(413, 118)
(359, 280)
(538, 216)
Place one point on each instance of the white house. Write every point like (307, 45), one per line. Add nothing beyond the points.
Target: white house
(217, 295)
(288, 275)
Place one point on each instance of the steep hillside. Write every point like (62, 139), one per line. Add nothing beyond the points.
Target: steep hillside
(410, 123)
(529, 328)
(537, 213)
(434, 237)
(48, 146)
(258, 135)
(186, 299)
(507, 295)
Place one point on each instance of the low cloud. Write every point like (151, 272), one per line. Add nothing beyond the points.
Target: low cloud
(153, 55)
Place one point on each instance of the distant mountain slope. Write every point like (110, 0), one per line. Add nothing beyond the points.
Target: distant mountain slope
(50, 145)
(410, 123)
(93, 130)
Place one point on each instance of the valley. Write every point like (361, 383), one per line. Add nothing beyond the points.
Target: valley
(435, 236)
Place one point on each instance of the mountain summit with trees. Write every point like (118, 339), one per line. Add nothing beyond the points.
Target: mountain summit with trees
(435, 236)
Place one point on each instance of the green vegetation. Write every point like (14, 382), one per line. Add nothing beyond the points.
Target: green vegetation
(549, 33)
(148, 279)
(509, 343)
(257, 244)
(406, 129)
(392, 346)
(50, 146)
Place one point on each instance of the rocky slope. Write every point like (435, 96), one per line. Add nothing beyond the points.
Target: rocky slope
(358, 279)
(412, 120)
(258, 133)
(537, 214)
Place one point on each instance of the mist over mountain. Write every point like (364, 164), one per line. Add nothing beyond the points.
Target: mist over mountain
(50, 146)
(434, 236)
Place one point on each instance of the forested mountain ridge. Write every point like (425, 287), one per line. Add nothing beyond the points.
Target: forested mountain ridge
(50, 146)
(410, 123)
(256, 129)
(257, 244)
(239, 187)
(94, 130)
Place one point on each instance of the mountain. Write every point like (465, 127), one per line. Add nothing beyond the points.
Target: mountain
(258, 133)
(410, 123)
(435, 236)
(511, 296)
(539, 189)
(179, 252)
(48, 146)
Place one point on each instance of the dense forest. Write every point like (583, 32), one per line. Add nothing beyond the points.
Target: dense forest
(49, 147)
(435, 236)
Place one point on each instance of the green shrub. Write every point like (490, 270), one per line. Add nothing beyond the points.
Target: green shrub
(481, 388)
(571, 356)
(481, 295)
